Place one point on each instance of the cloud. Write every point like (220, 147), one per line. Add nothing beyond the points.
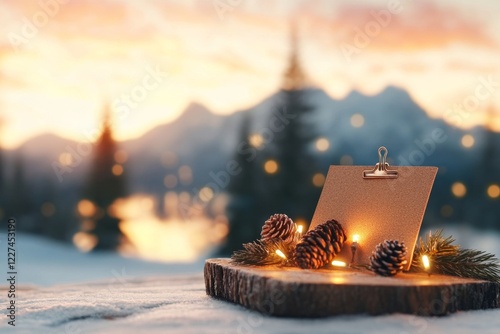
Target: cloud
(423, 25)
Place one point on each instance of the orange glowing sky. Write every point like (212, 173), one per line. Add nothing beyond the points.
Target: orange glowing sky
(88, 51)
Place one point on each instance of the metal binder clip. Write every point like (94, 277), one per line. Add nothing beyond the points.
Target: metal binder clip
(380, 171)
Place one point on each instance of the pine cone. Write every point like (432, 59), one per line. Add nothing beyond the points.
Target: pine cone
(389, 258)
(318, 247)
(278, 226)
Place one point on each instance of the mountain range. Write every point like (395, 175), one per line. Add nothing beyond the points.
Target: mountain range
(205, 141)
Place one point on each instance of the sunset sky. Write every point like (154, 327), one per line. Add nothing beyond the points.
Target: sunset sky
(58, 69)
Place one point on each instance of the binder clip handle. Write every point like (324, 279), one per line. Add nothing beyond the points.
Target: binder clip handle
(381, 170)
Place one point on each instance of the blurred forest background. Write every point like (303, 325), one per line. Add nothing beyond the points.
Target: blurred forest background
(243, 121)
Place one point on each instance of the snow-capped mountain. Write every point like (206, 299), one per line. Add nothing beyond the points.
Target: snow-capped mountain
(355, 126)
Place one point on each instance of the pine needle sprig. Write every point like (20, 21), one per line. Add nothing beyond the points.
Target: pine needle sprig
(263, 253)
(449, 259)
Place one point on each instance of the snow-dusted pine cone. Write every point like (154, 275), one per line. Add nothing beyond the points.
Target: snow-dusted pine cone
(278, 226)
(389, 258)
(319, 246)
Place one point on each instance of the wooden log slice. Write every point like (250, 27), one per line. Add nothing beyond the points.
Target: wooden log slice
(293, 292)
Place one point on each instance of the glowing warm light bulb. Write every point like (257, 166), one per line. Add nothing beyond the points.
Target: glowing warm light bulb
(425, 261)
(354, 246)
(338, 263)
(271, 166)
(300, 228)
(280, 253)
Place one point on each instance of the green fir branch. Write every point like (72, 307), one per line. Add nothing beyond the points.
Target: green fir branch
(448, 259)
(263, 253)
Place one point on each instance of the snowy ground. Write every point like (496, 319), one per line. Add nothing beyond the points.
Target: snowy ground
(44, 262)
(179, 305)
(63, 291)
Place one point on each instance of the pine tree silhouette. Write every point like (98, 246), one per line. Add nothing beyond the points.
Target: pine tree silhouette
(487, 173)
(294, 78)
(243, 210)
(292, 188)
(256, 195)
(104, 187)
(20, 201)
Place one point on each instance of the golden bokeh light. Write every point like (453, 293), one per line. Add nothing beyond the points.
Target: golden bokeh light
(121, 156)
(173, 239)
(322, 144)
(86, 208)
(459, 189)
(271, 166)
(85, 242)
(256, 140)
(117, 169)
(493, 191)
(185, 174)
(318, 179)
(468, 141)
(134, 207)
(170, 181)
(357, 120)
(206, 194)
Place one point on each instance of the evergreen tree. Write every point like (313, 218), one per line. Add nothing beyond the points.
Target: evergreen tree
(20, 201)
(18, 189)
(243, 209)
(16, 198)
(255, 195)
(294, 192)
(292, 188)
(485, 209)
(103, 188)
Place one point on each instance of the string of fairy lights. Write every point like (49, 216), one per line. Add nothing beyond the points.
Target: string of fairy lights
(435, 254)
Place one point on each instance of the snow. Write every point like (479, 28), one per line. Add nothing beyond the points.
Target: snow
(179, 305)
(44, 262)
(63, 291)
